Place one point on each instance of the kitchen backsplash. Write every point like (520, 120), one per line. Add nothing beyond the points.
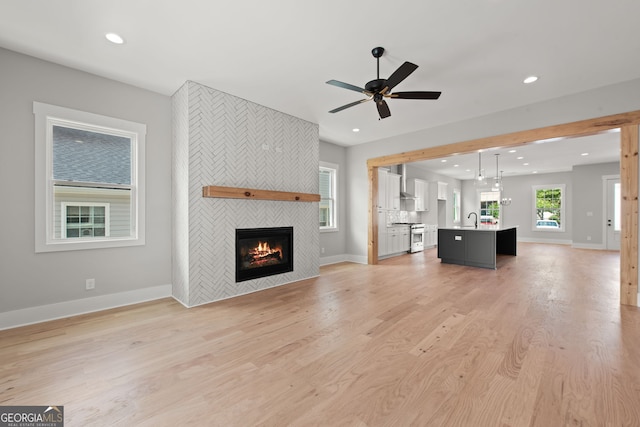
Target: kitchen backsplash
(395, 217)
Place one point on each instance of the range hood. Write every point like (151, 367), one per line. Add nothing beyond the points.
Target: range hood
(403, 184)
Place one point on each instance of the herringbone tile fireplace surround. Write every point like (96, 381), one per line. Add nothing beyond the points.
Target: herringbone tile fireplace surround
(220, 139)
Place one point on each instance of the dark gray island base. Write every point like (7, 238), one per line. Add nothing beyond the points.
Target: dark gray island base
(476, 247)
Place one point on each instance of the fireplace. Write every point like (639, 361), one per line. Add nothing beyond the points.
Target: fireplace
(262, 252)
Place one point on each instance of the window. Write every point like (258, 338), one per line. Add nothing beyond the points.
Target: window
(489, 208)
(85, 220)
(456, 205)
(328, 196)
(89, 180)
(548, 201)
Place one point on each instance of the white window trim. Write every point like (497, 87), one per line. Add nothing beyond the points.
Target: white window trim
(457, 204)
(563, 215)
(63, 218)
(333, 167)
(45, 116)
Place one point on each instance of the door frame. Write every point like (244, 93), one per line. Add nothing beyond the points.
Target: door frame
(628, 124)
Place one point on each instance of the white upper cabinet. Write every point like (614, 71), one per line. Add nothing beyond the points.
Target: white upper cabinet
(442, 190)
(420, 190)
(393, 191)
(382, 188)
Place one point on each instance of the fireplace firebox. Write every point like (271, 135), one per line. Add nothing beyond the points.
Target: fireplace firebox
(262, 252)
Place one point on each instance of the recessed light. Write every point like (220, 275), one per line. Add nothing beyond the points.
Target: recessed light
(512, 151)
(355, 130)
(584, 154)
(534, 172)
(114, 38)
(443, 161)
(525, 164)
(530, 79)
(455, 166)
(520, 158)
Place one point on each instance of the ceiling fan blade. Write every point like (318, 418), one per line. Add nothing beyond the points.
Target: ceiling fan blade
(344, 107)
(347, 86)
(399, 75)
(415, 95)
(383, 109)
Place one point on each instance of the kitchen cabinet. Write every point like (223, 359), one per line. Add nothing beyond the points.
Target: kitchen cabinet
(382, 232)
(398, 239)
(420, 189)
(430, 235)
(477, 247)
(388, 190)
(442, 190)
(393, 191)
(382, 188)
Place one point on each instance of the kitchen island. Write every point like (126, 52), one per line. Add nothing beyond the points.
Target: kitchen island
(476, 247)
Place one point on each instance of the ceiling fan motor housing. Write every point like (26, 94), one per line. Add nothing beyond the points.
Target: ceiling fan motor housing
(375, 86)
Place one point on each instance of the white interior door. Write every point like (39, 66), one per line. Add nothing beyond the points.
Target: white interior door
(613, 214)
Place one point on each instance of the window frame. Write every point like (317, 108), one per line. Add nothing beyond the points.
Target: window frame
(333, 213)
(47, 116)
(457, 195)
(563, 203)
(63, 217)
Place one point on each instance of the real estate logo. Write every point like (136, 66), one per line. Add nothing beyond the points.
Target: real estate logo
(31, 416)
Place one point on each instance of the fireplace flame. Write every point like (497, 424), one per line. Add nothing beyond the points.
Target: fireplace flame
(263, 249)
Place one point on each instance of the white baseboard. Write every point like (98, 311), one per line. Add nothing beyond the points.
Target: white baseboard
(597, 246)
(343, 258)
(549, 241)
(31, 315)
(357, 259)
(332, 259)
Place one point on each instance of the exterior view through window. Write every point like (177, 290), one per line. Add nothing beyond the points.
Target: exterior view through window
(91, 184)
(327, 177)
(549, 210)
(489, 208)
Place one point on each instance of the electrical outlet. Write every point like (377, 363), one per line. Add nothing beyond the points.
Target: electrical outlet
(90, 284)
(322, 250)
(588, 237)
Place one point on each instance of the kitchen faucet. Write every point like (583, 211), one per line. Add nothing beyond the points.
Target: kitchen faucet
(475, 224)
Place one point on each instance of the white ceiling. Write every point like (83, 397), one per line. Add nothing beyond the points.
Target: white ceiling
(548, 156)
(280, 53)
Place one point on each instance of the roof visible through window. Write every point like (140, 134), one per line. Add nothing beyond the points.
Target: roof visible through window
(85, 156)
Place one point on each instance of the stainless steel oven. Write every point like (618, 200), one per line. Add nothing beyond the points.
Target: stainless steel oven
(417, 238)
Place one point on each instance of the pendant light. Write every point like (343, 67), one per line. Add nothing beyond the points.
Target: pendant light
(497, 181)
(481, 179)
(505, 201)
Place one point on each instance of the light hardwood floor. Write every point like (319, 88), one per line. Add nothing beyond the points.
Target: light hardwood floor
(542, 341)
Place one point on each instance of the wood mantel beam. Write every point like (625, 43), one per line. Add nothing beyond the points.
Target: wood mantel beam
(255, 194)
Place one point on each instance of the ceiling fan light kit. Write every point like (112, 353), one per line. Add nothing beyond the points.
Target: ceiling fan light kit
(379, 89)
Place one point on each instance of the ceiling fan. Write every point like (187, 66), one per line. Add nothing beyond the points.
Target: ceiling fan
(379, 89)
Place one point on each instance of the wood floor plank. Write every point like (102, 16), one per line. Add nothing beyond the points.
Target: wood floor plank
(541, 341)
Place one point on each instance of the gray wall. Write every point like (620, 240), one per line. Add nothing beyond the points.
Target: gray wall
(28, 279)
(599, 102)
(588, 193)
(520, 212)
(335, 242)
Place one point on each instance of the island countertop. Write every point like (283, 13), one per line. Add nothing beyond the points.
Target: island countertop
(480, 228)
